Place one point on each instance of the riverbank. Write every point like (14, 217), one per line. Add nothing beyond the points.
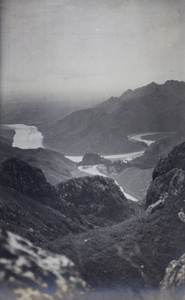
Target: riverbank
(113, 157)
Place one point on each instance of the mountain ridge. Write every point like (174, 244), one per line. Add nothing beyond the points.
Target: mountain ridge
(103, 129)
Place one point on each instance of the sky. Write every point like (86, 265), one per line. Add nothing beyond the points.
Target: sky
(89, 49)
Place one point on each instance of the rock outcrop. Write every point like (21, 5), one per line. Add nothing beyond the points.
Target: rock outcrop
(33, 220)
(158, 149)
(54, 165)
(174, 279)
(25, 179)
(28, 272)
(168, 176)
(97, 198)
(175, 159)
(29, 202)
(30, 181)
(92, 159)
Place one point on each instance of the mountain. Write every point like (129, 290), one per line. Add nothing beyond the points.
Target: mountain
(90, 159)
(135, 253)
(103, 129)
(32, 207)
(168, 176)
(55, 166)
(158, 149)
(112, 241)
(33, 220)
(98, 199)
(37, 112)
(31, 182)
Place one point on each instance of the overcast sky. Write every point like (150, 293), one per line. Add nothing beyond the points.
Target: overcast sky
(89, 49)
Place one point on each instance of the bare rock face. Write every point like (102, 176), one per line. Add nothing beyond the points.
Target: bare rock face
(174, 279)
(168, 176)
(175, 159)
(31, 182)
(28, 272)
(97, 198)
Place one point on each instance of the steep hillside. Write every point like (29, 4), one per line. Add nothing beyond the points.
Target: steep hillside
(135, 181)
(135, 253)
(131, 251)
(158, 149)
(33, 220)
(55, 166)
(168, 176)
(85, 202)
(98, 199)
(104, 128)
(30, 181)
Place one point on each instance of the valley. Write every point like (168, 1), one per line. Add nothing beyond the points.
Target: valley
(92, 150)
(102, 186)
(28, 137)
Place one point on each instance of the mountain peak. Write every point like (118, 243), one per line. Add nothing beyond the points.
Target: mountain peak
(126, 94)
(153, 83)
(172, 81)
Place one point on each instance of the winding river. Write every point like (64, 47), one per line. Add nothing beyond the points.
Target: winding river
(28, 137)
(139, 137)
(113, 157)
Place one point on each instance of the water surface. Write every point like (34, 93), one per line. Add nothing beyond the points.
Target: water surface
(26, 137)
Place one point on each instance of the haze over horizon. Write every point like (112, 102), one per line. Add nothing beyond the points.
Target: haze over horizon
(94, 49)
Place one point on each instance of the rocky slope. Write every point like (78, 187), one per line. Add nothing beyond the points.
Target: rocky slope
(72, 206)
(136, 252)
(31, 182)
(28, 272)
(168, 176)
(97, 198)
(55, 166)
(92, 159)
(31, 272)
(104, 128)
(33, 220)
(131, 251)
(174, 279)
(158, 149)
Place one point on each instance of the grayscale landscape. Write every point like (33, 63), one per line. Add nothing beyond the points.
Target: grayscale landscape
(92, 150)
